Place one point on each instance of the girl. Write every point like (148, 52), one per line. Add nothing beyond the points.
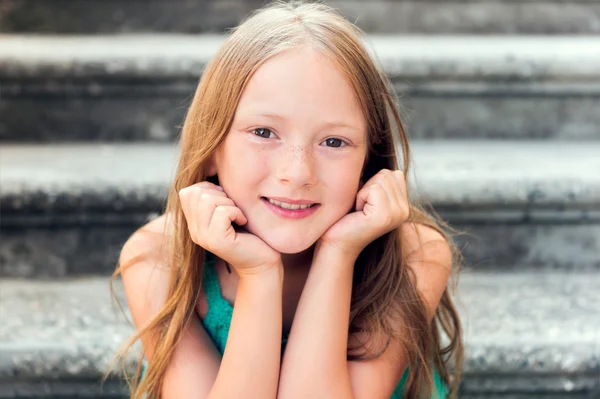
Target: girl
(289, 262)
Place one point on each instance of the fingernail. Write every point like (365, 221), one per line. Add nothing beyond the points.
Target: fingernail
(220, 188)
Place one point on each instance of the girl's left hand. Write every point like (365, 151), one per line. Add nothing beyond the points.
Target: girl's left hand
(381, 206)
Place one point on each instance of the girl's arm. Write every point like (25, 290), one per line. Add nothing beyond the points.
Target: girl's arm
(250, 365)
(315, 362)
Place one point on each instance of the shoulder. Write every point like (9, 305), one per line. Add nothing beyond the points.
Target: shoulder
(144, 269)
(143, 247)
(145, 241)
(427, 252)
(146, 284)
(416, 236)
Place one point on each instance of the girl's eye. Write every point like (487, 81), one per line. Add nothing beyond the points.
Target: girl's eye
(262, 132)
(334, 143)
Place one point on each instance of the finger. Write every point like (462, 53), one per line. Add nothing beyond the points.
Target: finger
(361, 197)
(399, 176)
(391, 188)
(397, 188)
(199, 193)
(374, 194)
(377, 205)
(362, 194)
(222, 219)
(198, 206)
(208, 204)
(193, 197)
(360, 200)
(386, 181)
(394, 190)
(207, 186)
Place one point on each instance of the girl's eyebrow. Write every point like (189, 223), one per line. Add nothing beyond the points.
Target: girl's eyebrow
(328, 124)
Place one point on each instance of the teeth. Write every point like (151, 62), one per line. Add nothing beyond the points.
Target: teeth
(289, 206)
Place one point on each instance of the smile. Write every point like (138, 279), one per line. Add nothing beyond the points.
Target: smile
(290, 211)
(289, 206)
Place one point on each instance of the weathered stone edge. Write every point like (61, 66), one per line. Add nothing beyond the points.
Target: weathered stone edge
(183, 57)
(37, 361)
(462, 164)
(562, 355)
(465, 176)
(416, 16)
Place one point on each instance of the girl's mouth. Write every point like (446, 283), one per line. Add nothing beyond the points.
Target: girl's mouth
(291, 211)
(287, 205)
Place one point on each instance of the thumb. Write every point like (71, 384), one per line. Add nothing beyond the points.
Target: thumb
(361, 198)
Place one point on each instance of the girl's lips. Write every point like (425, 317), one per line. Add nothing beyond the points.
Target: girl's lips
(291, 201)
(290, 213)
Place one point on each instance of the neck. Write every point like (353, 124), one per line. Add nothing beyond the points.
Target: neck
(300, 261)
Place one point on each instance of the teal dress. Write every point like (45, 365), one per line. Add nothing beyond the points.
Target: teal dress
(218, 319)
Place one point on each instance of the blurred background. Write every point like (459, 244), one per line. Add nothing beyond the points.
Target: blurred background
(501, 99)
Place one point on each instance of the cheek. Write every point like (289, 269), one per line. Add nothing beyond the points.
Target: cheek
(241, 160)
(243, 166)
(253, 155)
(343, 184)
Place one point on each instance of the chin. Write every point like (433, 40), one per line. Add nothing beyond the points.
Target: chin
(286, 243)
(288, 246)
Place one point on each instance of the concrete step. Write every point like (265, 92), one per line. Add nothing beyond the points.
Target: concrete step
(138, 87)
(526, 333)
(381, 16)
(67, 209)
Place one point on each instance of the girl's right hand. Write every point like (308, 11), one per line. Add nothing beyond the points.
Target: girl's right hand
(209, 214)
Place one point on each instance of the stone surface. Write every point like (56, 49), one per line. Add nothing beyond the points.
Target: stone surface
(41, 251)
(514, 58)
(383, 16)
(69, 178)
(519, 309)
(524, 331)
(58, 251)
(158, 114)
(515, 204)
(517, 177)
(530, 245)
(107, 88)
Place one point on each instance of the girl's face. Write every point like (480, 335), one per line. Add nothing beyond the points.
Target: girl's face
(298, 135)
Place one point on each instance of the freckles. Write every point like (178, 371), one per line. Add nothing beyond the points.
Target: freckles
(299, 151)
(261, 158)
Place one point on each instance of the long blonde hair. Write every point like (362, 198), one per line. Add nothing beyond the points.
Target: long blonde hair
(384, 288)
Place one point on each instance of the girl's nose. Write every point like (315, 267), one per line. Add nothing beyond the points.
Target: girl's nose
(298, 167)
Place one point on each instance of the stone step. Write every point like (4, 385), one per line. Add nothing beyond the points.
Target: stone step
(381, 16)
(67, 209)
(526, 333)
(138, 87)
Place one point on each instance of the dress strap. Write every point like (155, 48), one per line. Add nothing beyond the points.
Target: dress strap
(212, 288)
(218, 317)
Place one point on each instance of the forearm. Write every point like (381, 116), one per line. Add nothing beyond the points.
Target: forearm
(314, 364)
(251, 361)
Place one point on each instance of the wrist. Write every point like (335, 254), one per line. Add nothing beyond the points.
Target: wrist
(262, 272)
(328, 254)
(335, 251)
